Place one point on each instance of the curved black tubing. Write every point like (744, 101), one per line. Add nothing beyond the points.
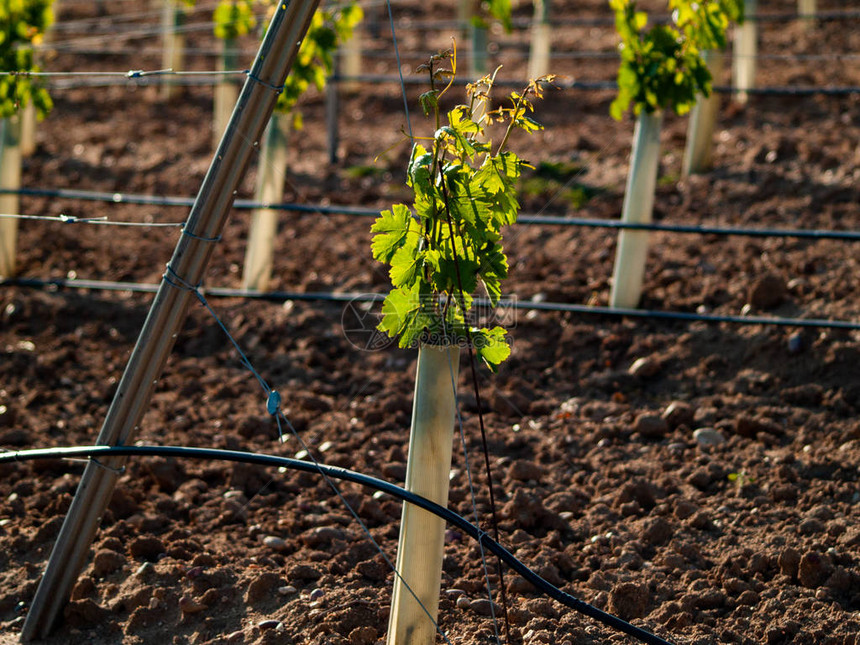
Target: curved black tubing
(347, 475)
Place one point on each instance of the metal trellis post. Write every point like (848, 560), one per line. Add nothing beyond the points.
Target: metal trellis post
(169, 308)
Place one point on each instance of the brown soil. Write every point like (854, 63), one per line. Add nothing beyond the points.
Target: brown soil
(603, 487)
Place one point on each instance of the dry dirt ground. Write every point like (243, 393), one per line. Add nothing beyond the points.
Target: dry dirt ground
(604, 487)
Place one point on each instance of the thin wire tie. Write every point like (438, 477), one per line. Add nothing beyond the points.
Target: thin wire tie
(274, 88)
(200, 238)
(172, 278)
(115, 471)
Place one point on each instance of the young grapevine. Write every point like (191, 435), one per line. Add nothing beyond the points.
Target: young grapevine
(24, 23)
(449, 240)
(662, 67)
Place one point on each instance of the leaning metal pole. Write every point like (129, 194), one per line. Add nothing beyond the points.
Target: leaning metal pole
(169, 308)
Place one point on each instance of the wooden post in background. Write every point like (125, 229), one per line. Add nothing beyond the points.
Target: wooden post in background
(629, 272)
(422, 534)
(173, 45)
(10, 177)
(808, 9)
(271, 172)
(539, 54)
(349, 57)
(478, 37)
(699, 152)
(745, 52)
(226, 91)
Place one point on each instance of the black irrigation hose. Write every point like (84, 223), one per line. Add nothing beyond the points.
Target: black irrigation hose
(351, 476)
(358, 211)
(317, 296)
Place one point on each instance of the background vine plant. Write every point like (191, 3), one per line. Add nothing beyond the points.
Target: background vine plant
(662, 67)
(23, 24)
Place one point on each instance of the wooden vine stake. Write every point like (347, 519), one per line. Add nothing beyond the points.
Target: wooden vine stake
(350, 61)
(169, 310)
(422, 534)
(808, 10)
(10, 177)
(628, 274)
(271, 172)
(28, 130)
(661, 69)
(441, 248)
(478, 39)
(698, 154)
(541, 35)
(226, 91)
(745, 52)
(173, 45)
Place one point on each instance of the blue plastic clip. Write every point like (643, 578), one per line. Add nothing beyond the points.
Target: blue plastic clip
(273, 405)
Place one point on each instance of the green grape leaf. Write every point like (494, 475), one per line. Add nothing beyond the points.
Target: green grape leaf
(391, 229)
(491, 346)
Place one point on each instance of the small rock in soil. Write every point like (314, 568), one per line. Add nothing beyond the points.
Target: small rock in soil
(657, 531)
(275, 543)
(523, 471)
(287, 590)
(304, 572)
(651, 426)
(814, 568)
(372, 570)
(628, 600)
(263, 586)
(365, 635)
(86, 612)
(767, 291)
(322, 535)
(187, 605)
(708, 437)
(484, 607)
(147, 546)
(106, 562)
(270, 624)
(463, 602)
(679, 413)
(748, 426)
(795, 343)
(645, 367)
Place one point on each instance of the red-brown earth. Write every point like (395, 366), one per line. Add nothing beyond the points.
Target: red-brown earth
(601, 484)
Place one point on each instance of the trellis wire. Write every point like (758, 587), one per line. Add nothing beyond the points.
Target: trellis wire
(370, 53)
(379, 79)
(609, 21)
(358, 211)
(334, 472)
(558, 307)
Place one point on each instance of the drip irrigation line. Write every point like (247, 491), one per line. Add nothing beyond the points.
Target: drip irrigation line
(320, 296)
(358, 211)
(343, 474)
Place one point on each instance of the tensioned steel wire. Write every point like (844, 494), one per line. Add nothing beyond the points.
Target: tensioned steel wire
(361, 211)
